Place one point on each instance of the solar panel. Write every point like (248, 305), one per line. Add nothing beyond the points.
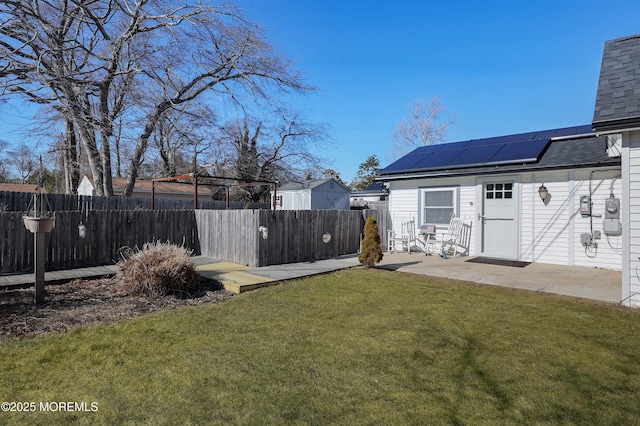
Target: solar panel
(439, 159)
(566, 131)
(520, 152)
(510, 149)
(476, 155)
(407, 163)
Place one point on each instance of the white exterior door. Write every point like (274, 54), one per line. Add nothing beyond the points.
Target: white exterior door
(498, 220)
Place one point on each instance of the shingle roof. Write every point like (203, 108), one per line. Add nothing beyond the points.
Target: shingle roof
(18, 187)
(373, 188)
(618, 97)
(143, 185)
(307, 184)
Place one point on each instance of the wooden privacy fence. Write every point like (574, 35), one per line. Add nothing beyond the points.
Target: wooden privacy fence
(292, 235)
(19, 201)
(107, 232)
(232, 235)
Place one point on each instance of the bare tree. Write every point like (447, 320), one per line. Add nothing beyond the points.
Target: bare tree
(23, 161)
(4, 170)
(424, 126)
(181, 136)
(93, 61)
(274, 151)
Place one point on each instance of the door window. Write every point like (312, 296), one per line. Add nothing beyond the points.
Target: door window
(498, 191)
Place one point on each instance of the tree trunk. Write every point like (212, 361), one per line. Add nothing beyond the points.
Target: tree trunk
(82, 124)
(70, 159)
(105, 159)
(141, 146)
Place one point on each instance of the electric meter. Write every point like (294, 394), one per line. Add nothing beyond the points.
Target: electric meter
(612, 208)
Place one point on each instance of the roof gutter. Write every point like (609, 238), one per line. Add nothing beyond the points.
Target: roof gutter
(613, 132)
(616, 126)
(445, 174)
(564, 138)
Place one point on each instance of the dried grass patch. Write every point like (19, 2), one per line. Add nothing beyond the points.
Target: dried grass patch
(156, 270)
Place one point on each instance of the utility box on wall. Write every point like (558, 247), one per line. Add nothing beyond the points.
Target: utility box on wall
(611, 224)
(585, 205)
(612, 227)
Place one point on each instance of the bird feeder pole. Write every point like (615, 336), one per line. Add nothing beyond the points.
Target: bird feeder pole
(40, 221)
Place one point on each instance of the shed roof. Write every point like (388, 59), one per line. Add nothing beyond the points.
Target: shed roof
(618, 97)
(307, 184)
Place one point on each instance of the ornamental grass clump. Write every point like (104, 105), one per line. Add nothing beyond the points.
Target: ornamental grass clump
(371, 252)
(156, 270)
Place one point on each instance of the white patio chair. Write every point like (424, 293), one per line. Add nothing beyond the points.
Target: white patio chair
(405, 239)
(454, 241)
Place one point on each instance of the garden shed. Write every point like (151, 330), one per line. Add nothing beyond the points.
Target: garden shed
(320, 194)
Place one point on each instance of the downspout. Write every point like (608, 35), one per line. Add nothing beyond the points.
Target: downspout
(534, 197)
(625, 217)
(572, 218)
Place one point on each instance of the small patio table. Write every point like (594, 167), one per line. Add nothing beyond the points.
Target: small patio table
(428, 237)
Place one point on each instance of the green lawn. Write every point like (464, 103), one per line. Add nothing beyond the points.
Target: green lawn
(353, 347)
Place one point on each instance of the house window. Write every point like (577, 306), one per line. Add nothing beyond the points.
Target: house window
(278, 200)
(439, 205)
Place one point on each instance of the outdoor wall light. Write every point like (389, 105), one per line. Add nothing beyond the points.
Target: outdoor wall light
(82, 231)
(264, 231)
(543, 192)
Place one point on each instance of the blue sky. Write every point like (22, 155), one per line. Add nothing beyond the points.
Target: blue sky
(499, 67)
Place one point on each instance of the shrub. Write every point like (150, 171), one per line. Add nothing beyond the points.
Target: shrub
(157, 269)
(371, 252)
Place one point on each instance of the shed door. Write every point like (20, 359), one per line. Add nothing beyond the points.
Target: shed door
(498, 224)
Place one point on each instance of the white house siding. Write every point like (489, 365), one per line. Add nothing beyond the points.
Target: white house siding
(551, 233)
(405, 202)
(631, 216)
(547, 233)
(85, 187)
(327, 196)
(296, 200)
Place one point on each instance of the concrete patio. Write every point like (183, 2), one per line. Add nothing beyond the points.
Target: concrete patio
(590, 283)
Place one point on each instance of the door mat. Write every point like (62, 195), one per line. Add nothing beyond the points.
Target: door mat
(500, 262)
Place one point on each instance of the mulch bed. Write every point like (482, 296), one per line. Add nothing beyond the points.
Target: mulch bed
(81, 303)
